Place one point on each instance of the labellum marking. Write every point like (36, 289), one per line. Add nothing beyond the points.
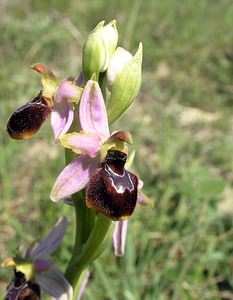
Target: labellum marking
(117, 180)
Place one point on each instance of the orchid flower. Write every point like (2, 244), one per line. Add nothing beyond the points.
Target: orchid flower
(55, 99)
(36, 271)
(92, 143)
(63, 95)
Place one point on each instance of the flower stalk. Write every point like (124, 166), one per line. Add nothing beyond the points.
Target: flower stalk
(91, 236)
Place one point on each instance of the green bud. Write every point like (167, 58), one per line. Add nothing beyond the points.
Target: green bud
(99, 47)
(118, 61)
(124, 83)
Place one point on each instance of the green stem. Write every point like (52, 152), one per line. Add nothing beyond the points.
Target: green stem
(85, 220)
(91, 237)
(94, 246)
(97, 240)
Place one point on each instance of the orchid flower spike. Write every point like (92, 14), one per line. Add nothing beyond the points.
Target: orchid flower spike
(35, 271)
(54, 99)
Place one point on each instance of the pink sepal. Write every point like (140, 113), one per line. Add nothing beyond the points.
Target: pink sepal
(73, 178)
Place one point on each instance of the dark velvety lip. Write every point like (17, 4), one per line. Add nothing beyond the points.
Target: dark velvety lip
(112, 190)
(28, 119)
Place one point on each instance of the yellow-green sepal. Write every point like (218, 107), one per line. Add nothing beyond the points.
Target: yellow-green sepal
(125, 87)
(48, 79)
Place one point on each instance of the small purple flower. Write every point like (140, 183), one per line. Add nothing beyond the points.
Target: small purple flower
(36, 271)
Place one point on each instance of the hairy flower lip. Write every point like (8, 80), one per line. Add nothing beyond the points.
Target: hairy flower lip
(112, 190)
(20, 288)
(28, 118)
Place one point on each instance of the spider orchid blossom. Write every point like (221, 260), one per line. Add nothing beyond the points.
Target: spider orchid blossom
(92, 143)
(35, 271)
(54, 99)
(94, 164)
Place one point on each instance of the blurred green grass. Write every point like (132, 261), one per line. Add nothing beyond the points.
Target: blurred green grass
(182, 127)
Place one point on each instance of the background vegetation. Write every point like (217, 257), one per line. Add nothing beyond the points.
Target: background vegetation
(182, 124)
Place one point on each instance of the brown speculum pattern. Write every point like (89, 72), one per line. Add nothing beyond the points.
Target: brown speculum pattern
(112, 190)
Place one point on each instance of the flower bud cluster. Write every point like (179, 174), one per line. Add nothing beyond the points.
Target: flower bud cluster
(122, 70)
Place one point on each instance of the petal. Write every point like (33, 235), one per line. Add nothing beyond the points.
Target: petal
(85, 143)
(118, 61)
(140, 184)
(74, 177)
(30, 248)
(143, 199)
(61, 119)
(122, 135)
(126, 87)
(54, 283)
(42, 265)
(92, 111)
(119, 237)
(48, 79)
(52, 241)
(68, 91)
